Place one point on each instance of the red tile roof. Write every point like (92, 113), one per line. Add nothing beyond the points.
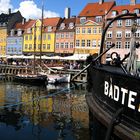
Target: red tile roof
(96, 9)
(51, 21)
(120, 8)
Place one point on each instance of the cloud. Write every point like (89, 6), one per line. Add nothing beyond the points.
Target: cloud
(5, 5)
(29, 9)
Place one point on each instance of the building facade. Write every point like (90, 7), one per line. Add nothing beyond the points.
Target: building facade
(7, 22)
(65, 37)
(89, 24)
(120, 31)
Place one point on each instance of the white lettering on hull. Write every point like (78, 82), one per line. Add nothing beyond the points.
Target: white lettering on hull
(120, 94)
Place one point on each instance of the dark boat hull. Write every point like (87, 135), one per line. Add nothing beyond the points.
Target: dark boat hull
(35, 80)
(109, 89)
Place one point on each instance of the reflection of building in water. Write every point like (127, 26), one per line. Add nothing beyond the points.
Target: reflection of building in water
(73, 107)
(2, 94)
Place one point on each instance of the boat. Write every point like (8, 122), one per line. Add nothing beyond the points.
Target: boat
(58, 78)
(32, 79)
(113, 91)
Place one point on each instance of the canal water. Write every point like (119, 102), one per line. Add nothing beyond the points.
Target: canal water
(45, 113)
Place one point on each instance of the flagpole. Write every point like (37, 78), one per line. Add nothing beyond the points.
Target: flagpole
(42, 16)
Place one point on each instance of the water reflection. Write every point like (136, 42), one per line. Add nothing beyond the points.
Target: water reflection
(39, 113)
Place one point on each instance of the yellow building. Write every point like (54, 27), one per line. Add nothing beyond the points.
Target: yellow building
(32, 36)
(3, 36)
(88, 37)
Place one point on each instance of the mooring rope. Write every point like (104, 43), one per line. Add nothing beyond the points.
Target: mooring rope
(41, 97)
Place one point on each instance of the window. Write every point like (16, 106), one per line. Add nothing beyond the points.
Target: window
(124, 11)
(77, 30)
(49, 37)
(48, 46)
(127, 44)
(109, 34)
(114, 13)
(71, 25)
(30, 46)
(137, 11)
(100, 30)
(30, 37)
(83, 30)
(119, 34)
(137, 34)
(26, 37)
(82, 20)
(39, 37)
(93, 43)
(71, 44)
(71, 35)
(89, 30)
(98, 19)
(62, 26)
(39, 46)
(57, 35)
(99, 43)
(57, 45)
(128, 22)
(77, 43)
(94, 30)
(138, 21)
(66, 45)
(67, 35)
(62, 35)
(108, 44)
(49, 28)
(62, 45)
(83, 43)
(26, 46)
(44, 46)
(118, 44)
(88, 43)
(119, 23)
(127, 34)
(44, 36)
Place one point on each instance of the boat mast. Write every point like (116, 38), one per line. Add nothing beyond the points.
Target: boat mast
(41, 30)
(34, 47)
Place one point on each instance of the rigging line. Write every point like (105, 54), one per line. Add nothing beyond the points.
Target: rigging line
(41, 97)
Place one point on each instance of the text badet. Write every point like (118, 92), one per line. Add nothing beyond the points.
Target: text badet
(122, 95)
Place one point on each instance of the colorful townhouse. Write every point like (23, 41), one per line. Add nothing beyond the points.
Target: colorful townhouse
(7, 22)
(120, 31)
(15, 39)
(32, 36)
(65, 37)
(89, 24)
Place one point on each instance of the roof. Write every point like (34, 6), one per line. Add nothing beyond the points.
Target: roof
(120, 8)
(96, 9)
(26, 25)
(66, 22)
(51, 21)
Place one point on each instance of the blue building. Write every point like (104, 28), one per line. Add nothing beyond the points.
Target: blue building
(15, 40)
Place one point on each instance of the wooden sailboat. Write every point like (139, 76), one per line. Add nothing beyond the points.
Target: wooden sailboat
(33, 78)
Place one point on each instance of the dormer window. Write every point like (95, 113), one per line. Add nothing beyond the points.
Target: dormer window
(49, 28)
(12, 32)
(82, 20)
(124, 11)
(19, 32)
(137, 11)
(114, 13)
(62, 26)
(98, 19)
(29, 30)
(71, 25)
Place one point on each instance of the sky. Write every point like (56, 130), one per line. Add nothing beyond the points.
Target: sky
(52, 8)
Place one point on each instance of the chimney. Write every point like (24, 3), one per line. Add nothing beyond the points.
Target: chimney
(9, 11)
(67, 12)
(101, 1)
(132, 2)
